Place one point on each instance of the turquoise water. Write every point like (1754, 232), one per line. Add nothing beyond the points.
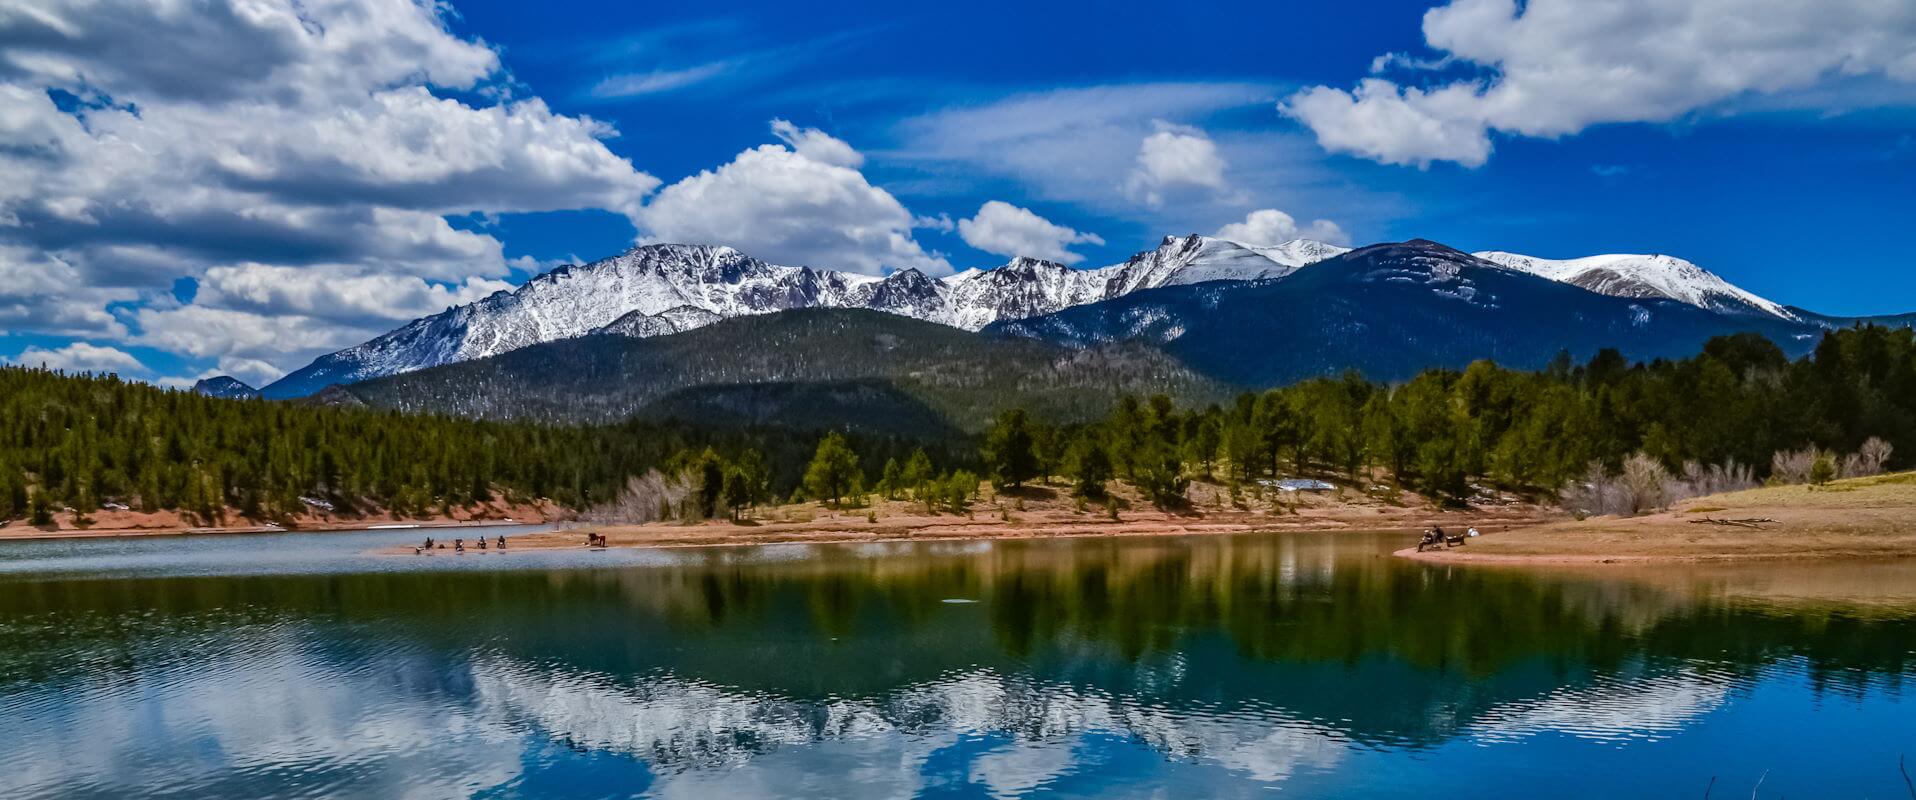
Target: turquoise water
(1301, 665)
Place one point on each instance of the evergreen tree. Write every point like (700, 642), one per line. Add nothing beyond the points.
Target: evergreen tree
(916, 474)
(833, 470)
(1091, 468)
(1010, 451)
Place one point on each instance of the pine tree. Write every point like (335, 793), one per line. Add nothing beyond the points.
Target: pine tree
(1009, 450)
(916, 474)
(1091, 467)
(833, 469)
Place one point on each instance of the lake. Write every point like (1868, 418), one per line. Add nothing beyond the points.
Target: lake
(1305, 665)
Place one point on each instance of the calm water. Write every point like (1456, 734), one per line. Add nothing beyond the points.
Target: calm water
(1308, 665)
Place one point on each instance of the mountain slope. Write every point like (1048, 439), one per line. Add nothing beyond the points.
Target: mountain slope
(668, 288)
(1645, 277)
(1833, 321)
(965, 377)
(1389, 311)
(225, 386)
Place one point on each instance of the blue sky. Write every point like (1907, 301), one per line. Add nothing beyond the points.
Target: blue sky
(298, 183)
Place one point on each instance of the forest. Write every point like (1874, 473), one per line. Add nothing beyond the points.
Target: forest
(1741, 404)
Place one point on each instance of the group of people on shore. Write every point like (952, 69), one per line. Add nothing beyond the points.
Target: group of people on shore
(1434, 536)
(458, 545)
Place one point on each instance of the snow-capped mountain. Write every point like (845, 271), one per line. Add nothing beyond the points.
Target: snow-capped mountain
(1644, 277)
(1390, 311)
(660, 289)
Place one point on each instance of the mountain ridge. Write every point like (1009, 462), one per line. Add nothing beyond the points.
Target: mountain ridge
(576, 300)
(1389, 311)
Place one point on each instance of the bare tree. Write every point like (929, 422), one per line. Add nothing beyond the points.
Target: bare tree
(1645, 477)
(647, 498)
(1867, 460)
(1793, 466)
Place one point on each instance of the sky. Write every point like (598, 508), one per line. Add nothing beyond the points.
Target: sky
(237, 186)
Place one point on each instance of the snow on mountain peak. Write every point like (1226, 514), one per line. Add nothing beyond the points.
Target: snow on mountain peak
(661, 288)
(1644, 276)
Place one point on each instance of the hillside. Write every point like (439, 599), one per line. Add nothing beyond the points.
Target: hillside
(965, 378)
(1390, 311)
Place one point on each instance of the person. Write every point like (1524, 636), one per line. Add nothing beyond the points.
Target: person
(502, 541)
(482, 542)
(459, 545)
(429, 543)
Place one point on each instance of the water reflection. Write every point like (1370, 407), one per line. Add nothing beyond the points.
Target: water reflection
(1193, 667)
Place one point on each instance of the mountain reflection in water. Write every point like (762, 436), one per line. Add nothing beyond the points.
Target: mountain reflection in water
(1209, 666)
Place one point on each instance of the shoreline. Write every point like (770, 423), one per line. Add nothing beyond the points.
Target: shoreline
(28, 534)
(1035, 514)
(1853, 520)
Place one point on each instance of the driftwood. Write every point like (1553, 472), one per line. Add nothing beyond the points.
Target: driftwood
(1751, 522)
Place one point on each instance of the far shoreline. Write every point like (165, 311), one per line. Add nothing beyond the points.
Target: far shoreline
(1858, 519)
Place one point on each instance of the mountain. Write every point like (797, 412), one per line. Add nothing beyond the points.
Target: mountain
(827, 363)
(661, 289)
(225, 386)
(1389, 311)
(1643, 277)
(1831, 321)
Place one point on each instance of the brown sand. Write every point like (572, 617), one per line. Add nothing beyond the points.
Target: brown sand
(1860, 518)
(112, 523)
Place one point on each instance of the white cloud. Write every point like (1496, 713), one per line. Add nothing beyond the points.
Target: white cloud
(335, 294)
(1175, 159)
(659, 80)
(41, 292)
(247, 345)
(1076, 147)
(1556, 67)
(80, 357)
(1269, 226)
(308, 141)
(1065, 144)
(818, 145)
(1008, 230)
(786, 207)
(1384, 123)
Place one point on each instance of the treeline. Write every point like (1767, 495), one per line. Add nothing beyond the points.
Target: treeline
(1741, 408)
(83, 441)
(1741, 401)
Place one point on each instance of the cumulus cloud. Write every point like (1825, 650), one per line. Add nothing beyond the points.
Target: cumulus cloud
(788, 206)
(307, 140)
(41, 292)
(1008, 230)
(817, 145)
(335, 294)
(1555, 67)
(1175, 159)
(1269, 226)
(80, 357)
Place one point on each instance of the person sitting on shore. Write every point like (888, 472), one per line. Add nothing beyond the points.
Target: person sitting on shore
(459, 545)
(502, 541)
(482, 542)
